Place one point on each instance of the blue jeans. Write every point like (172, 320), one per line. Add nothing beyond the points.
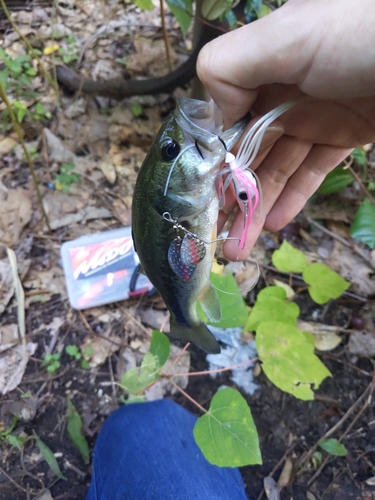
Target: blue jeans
(146, 451)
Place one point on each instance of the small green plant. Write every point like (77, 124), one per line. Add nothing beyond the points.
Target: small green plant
(73, 351)
(17, 74)
(122, 60)
(52, 362)
(16, 79)
(13, 439)
(68, 51)
(363, 226)
(48, 456)
(136, 109)
(74, 426)
(226, 432)
(66, 177)
(33, 152)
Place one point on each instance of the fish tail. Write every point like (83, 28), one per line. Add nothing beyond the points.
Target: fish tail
(198, 334)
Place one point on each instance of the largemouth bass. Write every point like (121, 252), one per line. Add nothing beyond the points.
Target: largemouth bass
(175, 212)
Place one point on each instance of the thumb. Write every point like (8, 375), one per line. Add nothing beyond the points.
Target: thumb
(234, 65)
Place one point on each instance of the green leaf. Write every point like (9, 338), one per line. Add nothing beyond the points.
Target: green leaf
(264, 11)
(160, 347)
(137, 380)
(325, 284)
(136, 109)
(15, 441)
(234, 311)
(271, 292)
(231, 18)
(20, 113)
(335, 181)
(74, 427)
(285, 312)
(359, 156)
(183, 12)
(288, 259)
(363, 227)
(3, 55)
(72, 350)
(144, 4)
(226, 434)
(288, 359)
(213, 9)
(334, 447)
(49, 457)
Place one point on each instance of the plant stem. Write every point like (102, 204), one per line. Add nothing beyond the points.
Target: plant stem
(219, 370)
(188, 397)
(45, 73)
(29, 161)
(360, 182)
(165, 35)
(177, 358)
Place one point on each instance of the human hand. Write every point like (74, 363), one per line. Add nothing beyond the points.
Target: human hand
(321, 49)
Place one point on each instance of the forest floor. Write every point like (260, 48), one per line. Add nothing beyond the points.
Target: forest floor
(104, 142)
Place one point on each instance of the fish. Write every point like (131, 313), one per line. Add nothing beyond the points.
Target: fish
(175, 211)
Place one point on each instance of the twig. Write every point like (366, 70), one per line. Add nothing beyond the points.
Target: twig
(165, 321)
(342, 240)
(360, 182)
(86, 323)
(12, 480)
(113, 384)
(29, 161)
(165, 36)
(278, 465)
(346, 363)
(188, 397)
(177, 358)
(208, 372)
(138, 323)
(350, 426)
(369, 389)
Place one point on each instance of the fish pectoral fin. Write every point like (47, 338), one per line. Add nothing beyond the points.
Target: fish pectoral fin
(198, 334)
(210, 304)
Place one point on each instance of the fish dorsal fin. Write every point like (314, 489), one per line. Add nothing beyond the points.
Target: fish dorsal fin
(210, 304)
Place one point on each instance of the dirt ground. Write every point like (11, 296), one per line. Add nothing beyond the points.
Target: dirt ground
(107, 142)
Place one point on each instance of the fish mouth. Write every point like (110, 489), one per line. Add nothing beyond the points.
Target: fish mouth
(203, 121)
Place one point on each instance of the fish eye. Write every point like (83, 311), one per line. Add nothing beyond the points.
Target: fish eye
(243, 196)
(170, 150)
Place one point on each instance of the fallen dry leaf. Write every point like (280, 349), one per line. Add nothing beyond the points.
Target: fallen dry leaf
(50, 281)
(326, 338)
(6, 146)
(15, 213)
(122, 212)
(101, 347)
(8, 337)
(352, 268)
(12, 366)
(150, 57)
(108, 169)
(6, 284)
(56, 149)
(288, 289)
(362, 344)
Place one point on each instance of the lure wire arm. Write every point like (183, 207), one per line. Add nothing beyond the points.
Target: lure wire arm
(167, 216)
